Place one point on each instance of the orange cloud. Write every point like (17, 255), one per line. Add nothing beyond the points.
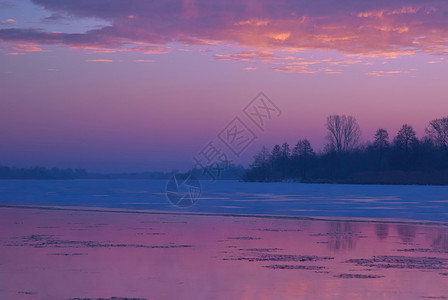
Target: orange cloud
(397, 29)
(251, 55)
(385, 73)
(28, 48)
(15, 53)
(100, 60)
(282, 36)
(381, 13)
(387, 54)
(254, 22)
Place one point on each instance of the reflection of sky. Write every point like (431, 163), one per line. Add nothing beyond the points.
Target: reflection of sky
(142, 86)
(104, 255)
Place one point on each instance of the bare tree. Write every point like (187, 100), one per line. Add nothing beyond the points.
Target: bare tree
(343, 133)
(437, 131)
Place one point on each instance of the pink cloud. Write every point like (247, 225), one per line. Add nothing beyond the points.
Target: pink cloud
(359, 27)
(8, 21)
(14, 53)
(386, 73)
(252, 56)
(28, 48)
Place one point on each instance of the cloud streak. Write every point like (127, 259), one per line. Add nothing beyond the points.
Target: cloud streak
(7, 21)
(100, 60)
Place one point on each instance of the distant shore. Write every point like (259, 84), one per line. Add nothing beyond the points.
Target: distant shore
(381, 178)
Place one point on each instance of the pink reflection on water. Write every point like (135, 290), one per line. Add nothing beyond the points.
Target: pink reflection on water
(48, 254)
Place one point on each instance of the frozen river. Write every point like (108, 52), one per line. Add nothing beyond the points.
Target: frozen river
(424, 203)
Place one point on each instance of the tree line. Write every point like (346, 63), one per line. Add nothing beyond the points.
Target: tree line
(404, 159)
(41, 173)
(69, 173)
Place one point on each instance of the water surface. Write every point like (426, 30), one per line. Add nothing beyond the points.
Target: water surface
(48, 254)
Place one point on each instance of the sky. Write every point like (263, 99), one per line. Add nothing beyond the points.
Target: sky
(114, 85)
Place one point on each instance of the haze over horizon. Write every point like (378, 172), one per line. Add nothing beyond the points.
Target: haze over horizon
(145, 85)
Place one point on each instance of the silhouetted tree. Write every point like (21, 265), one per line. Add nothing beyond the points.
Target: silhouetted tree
(407, 160)
(260, 168)
(437, 131)
(275, 159)
(276, 152)
(41, 173)
(380, 148)
(284, 162)
(381, 139)
(406, 138)
(261, 159)
(343, 133)
(285, 151)
(302, 157)
(405, 144)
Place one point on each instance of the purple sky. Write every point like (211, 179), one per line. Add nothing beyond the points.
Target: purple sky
(144, 85)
